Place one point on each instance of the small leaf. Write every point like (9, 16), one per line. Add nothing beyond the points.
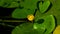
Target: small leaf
(44, 6)
(22, 13)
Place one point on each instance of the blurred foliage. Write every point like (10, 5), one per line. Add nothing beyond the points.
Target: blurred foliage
(25, 28)
(38, 27)
(22, 13)
(26, 7)
(54, 10)
(48, 22)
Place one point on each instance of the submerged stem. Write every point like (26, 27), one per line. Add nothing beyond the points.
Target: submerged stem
(6, 25)
(12, 20)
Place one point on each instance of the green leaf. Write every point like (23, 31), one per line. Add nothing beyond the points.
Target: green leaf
(48, 24)
(22, 13)
(37, 15)
(29, 4)
(39, 28)
(5, 3)
(44, 6)
(25, 28)
(13, 4)
(1, 2)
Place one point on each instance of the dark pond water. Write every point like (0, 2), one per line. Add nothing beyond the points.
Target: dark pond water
(5, 14)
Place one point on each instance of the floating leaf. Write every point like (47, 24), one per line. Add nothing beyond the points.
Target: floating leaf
(37, 15)
(29, 4)
(22, 13)
(39, 28)
(5, 3)
(48, 22)
(44, 6)
(13, 4)
(26, 28)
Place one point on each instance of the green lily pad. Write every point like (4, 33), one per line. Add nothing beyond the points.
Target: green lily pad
(47, 25)
(13, 4)
(5, 3)
(26, 28)
(39, 28)
(38, 15)
(29, 4)
(22, 13)
(44, 6)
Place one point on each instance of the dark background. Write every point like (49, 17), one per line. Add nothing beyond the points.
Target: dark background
(5, 13)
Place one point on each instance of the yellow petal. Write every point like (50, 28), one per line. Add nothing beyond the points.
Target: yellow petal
(30, 17)
(57, 30)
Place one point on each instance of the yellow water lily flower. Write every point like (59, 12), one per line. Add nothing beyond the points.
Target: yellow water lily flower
(57, 30)
(30, 17)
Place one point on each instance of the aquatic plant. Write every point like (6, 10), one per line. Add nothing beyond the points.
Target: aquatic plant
(32, 11)
(39, 24)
